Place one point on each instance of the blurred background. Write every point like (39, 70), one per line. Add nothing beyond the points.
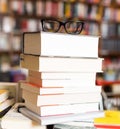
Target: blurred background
(101, 17)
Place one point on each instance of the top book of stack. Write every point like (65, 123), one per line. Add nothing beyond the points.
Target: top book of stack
(59, 44)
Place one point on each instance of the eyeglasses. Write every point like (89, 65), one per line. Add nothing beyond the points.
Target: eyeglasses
(71, 27)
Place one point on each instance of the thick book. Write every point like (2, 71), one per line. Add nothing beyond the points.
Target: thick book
(59, 64)
(73, 98)
(59, 90)
(50, 110)
(4, 94)
(48, 120)
(15, 120)
(61, 75)
(59, 44)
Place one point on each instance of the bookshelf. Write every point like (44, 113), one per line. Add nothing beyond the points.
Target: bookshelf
(110, 49)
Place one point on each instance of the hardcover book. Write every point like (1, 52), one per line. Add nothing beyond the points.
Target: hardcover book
(73, 98)
(61, 75)
(59, 90)
(62, 82)
(59, 64)
(50, 110)
(59, 44)
(48, 120)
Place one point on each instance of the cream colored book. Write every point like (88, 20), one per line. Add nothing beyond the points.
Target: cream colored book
(59, 64)
(61, 75)
(62, 83)
(59, 90)
(62, 109)
(59, 44)
(73, 98)
(49, 120)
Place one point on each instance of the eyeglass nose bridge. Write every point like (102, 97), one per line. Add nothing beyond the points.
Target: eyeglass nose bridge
(62, 24)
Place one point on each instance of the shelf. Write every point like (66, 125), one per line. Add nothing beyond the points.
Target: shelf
(110, 94)
(104, 82)
(106, 53)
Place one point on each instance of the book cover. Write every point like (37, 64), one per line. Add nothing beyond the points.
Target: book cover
(59, 44)
(110, 120)
(73, 98)
(59, 64)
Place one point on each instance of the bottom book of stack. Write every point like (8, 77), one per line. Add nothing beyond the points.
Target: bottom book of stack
(20, 117)
(55, 119)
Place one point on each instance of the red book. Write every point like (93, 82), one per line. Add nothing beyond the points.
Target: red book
(54, 9)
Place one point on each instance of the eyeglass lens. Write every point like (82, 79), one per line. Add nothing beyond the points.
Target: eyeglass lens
(73, 27)
(51, 26)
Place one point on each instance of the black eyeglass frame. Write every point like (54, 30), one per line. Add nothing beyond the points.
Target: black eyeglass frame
(61, 23)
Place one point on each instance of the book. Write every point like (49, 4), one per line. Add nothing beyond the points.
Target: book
(48, 120)
(85, 124)
(4, 94)
(13, 89)
(73, 98)
(5, 104)
(59, 64)
(61, 75)
(110, 120)
(62, 82)
(15, 120)
(2, 113)
(59, 44)
(62, 109)
(58, 90)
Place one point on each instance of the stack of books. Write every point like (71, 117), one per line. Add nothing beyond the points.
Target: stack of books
(61, 74)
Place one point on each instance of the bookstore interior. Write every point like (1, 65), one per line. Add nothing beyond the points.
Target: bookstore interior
(48, 48)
